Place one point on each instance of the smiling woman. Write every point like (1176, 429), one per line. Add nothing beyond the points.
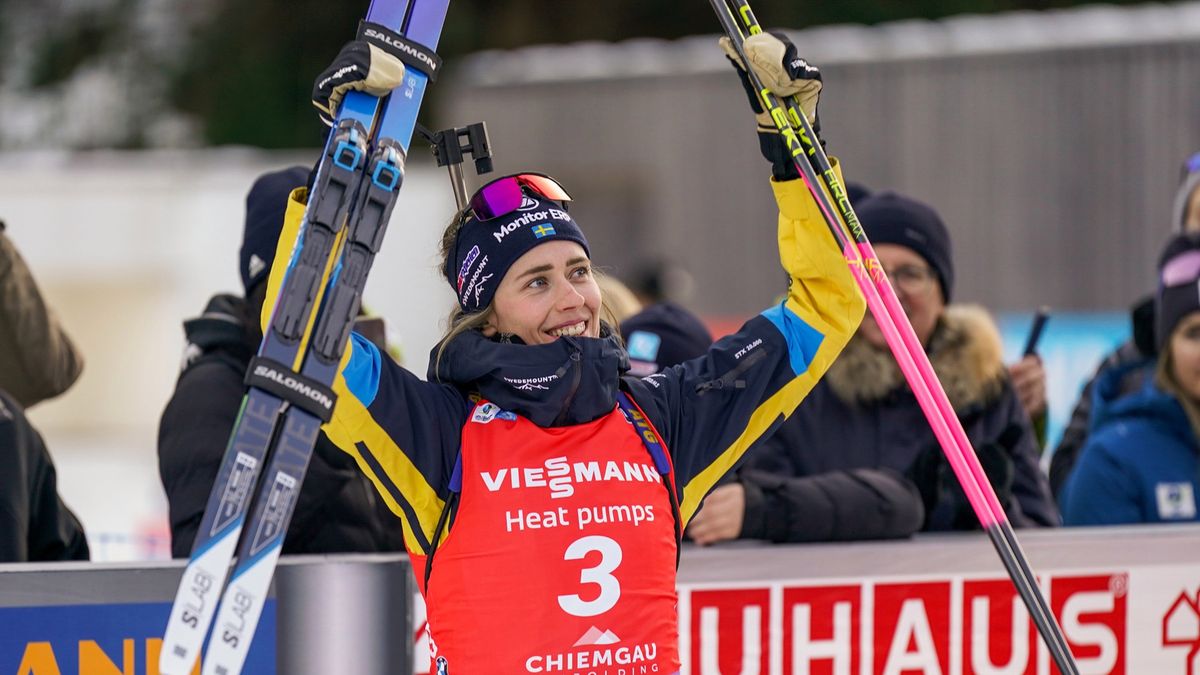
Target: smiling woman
(535, 472)
(551, 291)
(551, 294)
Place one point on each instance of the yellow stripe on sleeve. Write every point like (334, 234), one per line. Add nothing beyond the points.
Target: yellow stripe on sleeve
(352, 424)
(284, 249)
(823, 294)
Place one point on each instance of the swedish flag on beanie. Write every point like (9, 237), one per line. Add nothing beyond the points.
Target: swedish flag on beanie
(485, 249)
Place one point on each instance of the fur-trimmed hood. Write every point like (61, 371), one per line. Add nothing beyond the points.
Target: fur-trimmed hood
(965, 351)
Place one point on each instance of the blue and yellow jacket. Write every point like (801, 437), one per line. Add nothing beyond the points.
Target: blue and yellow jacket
(404, 432)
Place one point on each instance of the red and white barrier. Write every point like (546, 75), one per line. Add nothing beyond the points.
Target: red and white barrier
(754, 611)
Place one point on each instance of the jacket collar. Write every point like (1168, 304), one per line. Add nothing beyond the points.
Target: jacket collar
(221, 328)
(965, 351)
(1133, 392)
(569, 381)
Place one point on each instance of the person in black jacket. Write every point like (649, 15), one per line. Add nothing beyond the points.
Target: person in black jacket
(832, 506)
(338, 510)
(801, 485)
(35, 524)
(38, 361)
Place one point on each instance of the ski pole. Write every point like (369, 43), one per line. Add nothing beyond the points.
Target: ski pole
(897, 330)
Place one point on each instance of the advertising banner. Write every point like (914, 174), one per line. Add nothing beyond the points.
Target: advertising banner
(1118, 621)
(103, 639)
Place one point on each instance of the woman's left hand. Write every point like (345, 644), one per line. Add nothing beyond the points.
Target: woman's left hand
(359, 66)
(720, 518)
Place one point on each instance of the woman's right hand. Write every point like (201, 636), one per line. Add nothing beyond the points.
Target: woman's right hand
(359, 66)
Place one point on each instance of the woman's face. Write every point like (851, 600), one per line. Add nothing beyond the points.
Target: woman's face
(917, 287)
(549, 292)
(1185, 355)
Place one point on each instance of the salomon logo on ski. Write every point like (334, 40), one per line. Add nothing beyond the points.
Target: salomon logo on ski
(290, 379)
(403, 47)
(294, 385)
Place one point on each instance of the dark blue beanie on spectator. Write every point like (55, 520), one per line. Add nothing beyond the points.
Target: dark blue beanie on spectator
(856, 192)
(1178, 284)
(891, 218)
(661, 336)
(265, 205)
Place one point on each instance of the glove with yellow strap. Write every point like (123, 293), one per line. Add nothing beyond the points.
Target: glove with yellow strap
(774, 60)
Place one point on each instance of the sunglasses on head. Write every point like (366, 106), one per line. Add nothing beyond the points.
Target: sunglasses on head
(504, 195)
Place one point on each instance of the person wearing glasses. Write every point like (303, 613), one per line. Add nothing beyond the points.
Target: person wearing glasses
(863, 416)
(541, 492)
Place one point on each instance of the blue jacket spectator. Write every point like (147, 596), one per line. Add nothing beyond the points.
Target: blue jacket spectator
(1136, 465)
(1140, 462)
(1185, 217)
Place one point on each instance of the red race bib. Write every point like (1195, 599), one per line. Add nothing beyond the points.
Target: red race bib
(561, 558)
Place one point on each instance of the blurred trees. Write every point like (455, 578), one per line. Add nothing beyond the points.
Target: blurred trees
(240, 72)
(251, 67)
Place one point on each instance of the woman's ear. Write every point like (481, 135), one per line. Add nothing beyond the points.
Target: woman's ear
(488, 329)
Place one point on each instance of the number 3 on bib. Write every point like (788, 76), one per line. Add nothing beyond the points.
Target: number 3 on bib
(601, 575)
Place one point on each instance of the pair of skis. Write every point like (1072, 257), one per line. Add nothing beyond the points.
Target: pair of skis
(739, 22)
(290, 395)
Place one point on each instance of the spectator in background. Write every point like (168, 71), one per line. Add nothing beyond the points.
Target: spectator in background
(1139, 464)
(1027, 374)
(856, 192)
(37, 359)
(836, 469)
(1138, 350)
(834, 506)
(35, 524)
(661, 336)
(622, 303)
(659, 280)
(37, 362)
(338, 509)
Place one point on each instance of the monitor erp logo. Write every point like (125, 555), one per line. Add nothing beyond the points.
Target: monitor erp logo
(116, 638)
